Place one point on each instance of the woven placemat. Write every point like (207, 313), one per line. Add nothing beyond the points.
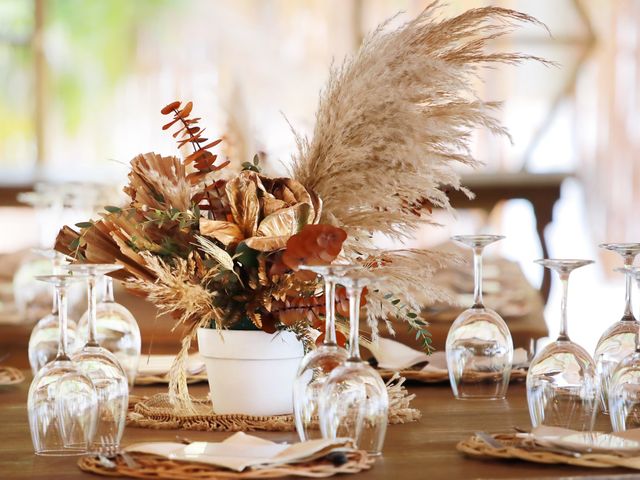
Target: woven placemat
(515, 448)
(155, 467)
(517, 375)
(158, 412)
(142, 379)
(10, 376)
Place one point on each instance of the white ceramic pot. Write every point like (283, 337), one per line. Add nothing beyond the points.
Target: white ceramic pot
(250, 372)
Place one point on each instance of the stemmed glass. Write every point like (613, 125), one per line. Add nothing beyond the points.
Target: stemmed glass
(354, 401)
(618, 341)
(62, 401)
(103, 368)
(117, 330)
(43, 342)
(319, 362)
(562, 383)
(624, 384)
(479, 347)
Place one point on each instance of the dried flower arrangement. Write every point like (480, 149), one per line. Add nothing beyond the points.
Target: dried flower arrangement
(391, 124)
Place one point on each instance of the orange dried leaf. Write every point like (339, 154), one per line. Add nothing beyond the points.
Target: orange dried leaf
(195, 156)
(175, 135)
(186, 110)
(171, 107)
(212, 144)
(169, 125)
(221, 166)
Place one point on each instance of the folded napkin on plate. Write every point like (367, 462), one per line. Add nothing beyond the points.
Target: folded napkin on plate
(160, 364)
(577, 441)
(241, 451)
(392, 355)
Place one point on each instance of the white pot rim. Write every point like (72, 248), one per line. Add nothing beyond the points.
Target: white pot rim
(248, 344)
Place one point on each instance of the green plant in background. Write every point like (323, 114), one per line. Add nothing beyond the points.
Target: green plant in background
(89, 45)
(94, 43)
(17, 126)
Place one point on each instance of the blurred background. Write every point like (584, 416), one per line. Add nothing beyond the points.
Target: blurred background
(82, 83)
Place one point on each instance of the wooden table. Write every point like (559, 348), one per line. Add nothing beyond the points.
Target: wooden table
(424, 450)
(542, 190)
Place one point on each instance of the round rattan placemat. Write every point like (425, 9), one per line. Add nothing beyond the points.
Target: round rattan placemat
(517, 374)
(142, 379)
(513, 448)
(155, 467)
(157, 411)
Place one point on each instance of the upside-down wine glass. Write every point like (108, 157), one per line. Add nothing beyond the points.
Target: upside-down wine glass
(479, 347)
(624, 384)
(62, 401)
(562, 383)
(117, 330)
(618, 341)
(354, 401)
(103, 368)
(319, 362)
(43, 342)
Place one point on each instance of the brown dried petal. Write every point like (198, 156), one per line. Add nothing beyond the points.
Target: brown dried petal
(225, 232)
(316, 201)
(270, 204)
(267, 244)
(285, 222)
(244, 202)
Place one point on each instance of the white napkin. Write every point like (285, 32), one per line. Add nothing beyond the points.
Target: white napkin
(393, 355)
(160, 364)
(577, 441)
(241, 451)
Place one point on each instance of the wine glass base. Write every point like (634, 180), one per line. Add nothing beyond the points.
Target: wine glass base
(66, 452)
(479, 398)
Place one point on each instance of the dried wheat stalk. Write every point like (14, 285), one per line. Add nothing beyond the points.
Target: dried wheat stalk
(392, 123)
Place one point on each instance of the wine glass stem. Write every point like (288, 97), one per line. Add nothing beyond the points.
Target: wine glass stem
(628, 311)
(354, 323)
(477, 277)
(107, 295)
(56, 264)
(61, 294)
(330, 312)
(564, 335)
(54, 303)
(91, 299)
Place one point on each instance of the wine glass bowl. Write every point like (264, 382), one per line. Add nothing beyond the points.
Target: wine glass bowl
(62, 410)
(624, 394)
(618, 341)
(479, 348)
(562, 387)
(479, 355)
(562, 383)
(355, 404)
(624, 385)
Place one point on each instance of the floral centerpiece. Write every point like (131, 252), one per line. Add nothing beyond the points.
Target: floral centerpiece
(222, 250)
